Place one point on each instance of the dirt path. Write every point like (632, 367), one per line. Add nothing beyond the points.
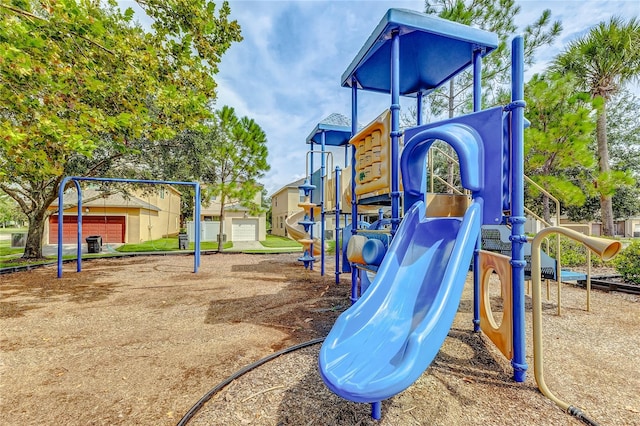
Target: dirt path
(139, 341)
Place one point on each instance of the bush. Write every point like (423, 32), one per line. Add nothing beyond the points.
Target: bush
(627, 263)
(573, 253)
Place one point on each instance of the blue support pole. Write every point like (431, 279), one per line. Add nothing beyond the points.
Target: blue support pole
(477, 106)
(346, 164)
(322, 212)
(311, 218)
(517, 219)
(78, 229)
(395, 130)
(376, 410)
(61, 188)
(419, 109)
(196, 253)
(60, 223)
(477, 80)
(354, 205)
(337, 234)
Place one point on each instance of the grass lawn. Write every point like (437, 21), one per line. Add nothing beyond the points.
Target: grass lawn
(276, 241)
(12, 230)
(272, 244)
(5, 244)
(6, 250)
(167, 244)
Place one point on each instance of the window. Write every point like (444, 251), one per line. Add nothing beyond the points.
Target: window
(301, 195)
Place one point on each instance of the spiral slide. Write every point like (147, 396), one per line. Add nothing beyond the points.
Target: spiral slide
(296, 232)
(388, 338)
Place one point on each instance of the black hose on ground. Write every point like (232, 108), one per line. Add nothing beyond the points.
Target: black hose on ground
(198, 405)
(580, 415)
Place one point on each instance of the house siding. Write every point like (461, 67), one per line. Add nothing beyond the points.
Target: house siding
(137, 219)
(214, 210)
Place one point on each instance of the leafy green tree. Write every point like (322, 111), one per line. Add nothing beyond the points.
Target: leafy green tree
(626, 201)
(497, 16)
(588, 211)
(80, 81)
(557, 143)
(238, 160)
(226, 154)
(9, 211)
(604, 60)
(266, 206)
(184, 157)
(623, 132)
(623, 136)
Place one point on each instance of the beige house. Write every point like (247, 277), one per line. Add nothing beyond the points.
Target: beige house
(632, 227)
(624, 228)
(284, 204)
(239, 224)
(135, 218)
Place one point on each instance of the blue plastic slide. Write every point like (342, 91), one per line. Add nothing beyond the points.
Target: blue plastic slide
(388, 338)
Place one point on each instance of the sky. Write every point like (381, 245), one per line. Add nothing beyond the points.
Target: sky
(286, 72)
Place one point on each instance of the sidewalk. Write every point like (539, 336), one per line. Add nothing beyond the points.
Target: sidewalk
(238, 246)
(71, 249)
(246, 246)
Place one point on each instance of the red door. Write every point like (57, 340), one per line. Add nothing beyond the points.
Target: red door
(110, 228)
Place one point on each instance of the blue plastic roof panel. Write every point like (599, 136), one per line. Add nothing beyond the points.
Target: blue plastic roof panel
(336, 129)
(432, 50)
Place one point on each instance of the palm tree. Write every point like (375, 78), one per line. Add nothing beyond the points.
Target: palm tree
(604, 60)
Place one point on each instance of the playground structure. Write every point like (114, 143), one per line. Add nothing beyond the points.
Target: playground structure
(297, 231)
(309, 214)
(332, 131)
(76, 181)
(328, 194)
(417, 269)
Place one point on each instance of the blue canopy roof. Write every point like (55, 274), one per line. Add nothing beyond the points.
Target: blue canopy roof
(432, 50)
(336, 129)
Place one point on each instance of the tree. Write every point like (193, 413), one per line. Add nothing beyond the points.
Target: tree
(497, 16)
(626, 202)
(79, 81)
(604, 60)
(9, 211)
(623, 132)
(623, 137)
(557, 143)
(238, 160)
(266, 206)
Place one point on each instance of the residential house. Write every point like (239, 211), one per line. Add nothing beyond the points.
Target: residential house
(284, 204)
(239, 224)
(116, 217)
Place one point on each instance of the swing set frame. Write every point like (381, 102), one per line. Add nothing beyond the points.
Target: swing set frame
(77, 179)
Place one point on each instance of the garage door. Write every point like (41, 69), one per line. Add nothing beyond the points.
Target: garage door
(111, 230)
(244, 230)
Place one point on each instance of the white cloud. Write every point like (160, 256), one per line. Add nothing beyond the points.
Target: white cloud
(286, 73)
